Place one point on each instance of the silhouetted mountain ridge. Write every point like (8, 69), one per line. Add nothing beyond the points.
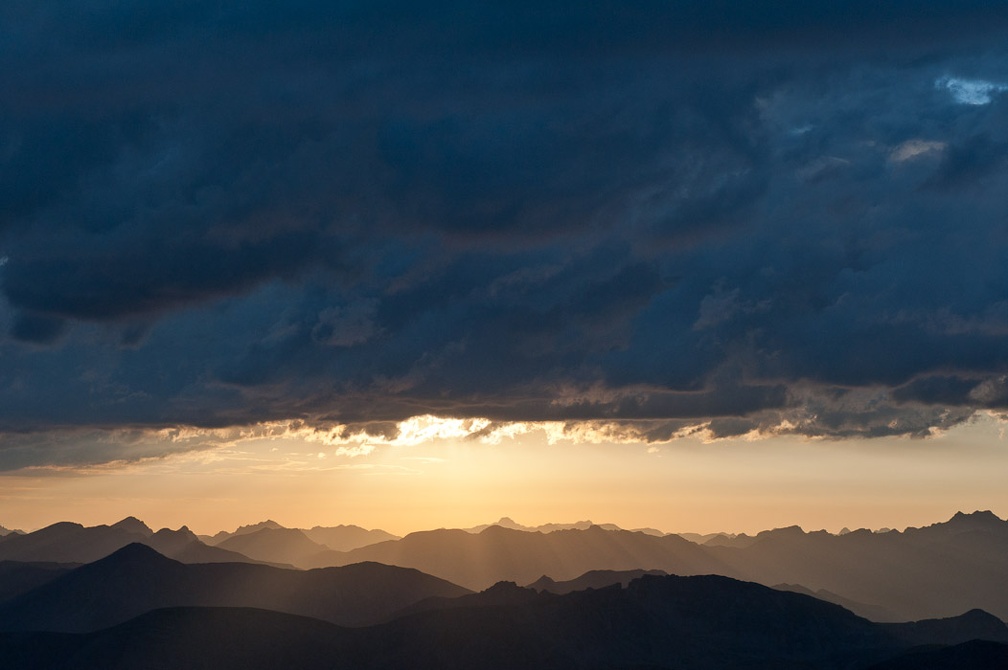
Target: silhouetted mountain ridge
(336, 538)
(687, 623)
(275, 545)
(67, 542)
(137, 579)
(511, 524)
(496, 554)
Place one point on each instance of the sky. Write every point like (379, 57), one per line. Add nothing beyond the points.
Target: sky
(691, 265)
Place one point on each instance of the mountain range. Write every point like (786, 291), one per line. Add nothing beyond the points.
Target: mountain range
(655, 622)
(935, 571)
(136, 579)
(596, 597)
(67, 542)
(337, 538)
(509, 523)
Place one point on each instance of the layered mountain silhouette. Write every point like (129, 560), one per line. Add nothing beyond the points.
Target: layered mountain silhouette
(336, 538)
(936, 571)
(593, 579)
(511, 524)
(276, 545)
(347, 537)
(137, 579)
(655, 622)
(7, 531)
(479, 560)
(67, 542)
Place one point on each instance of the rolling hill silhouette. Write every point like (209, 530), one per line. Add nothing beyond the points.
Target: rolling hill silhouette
(17, 578)
(939, 570)
(972, 655)
(688, 623)
(136, 579)
(593, 579)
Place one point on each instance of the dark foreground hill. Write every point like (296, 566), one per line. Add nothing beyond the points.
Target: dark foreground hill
(136, 579)
(688, 623)
(17, 578)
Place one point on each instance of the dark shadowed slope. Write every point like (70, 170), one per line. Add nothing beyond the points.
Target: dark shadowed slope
(950, 630)
(866, 610)
(972, 655)
(73, 543)
(500, 554)
(17, 578)
(137, 579)
(593, 579)
(190, 638)
(688, 623)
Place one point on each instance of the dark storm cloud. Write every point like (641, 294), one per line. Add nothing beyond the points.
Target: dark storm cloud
(765, 216)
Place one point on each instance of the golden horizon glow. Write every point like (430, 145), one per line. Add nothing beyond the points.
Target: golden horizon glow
(465, 472)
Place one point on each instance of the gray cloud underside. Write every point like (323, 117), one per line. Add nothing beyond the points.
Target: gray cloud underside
(659, 212)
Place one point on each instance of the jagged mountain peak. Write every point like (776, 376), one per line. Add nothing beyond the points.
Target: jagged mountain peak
(978, 517)
(131, 524)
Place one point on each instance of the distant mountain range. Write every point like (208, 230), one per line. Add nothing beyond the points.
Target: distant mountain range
(655, 622)
(8, 531)
(67, 542)
(136, 579)
(939, 570)
(507, 522)
(935, 571)
(266, 542)
(336, 538)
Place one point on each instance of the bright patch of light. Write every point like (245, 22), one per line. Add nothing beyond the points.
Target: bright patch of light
(970, 91)
(420, 429)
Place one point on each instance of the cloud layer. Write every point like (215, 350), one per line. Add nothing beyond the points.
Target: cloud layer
(776, 217)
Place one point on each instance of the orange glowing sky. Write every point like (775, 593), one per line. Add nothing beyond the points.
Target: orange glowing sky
(435, 474)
